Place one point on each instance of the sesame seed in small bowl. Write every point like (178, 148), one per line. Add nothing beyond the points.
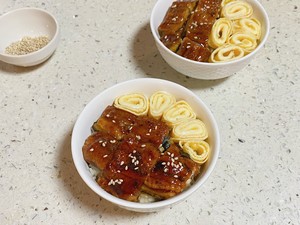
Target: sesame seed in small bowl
(145, 144)
(30, 38)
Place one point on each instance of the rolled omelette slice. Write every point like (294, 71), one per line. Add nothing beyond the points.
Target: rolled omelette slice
(236, 10)
(226, 53)
(190, 130)
(246, 41)
(197, 150)
(220, 32)
(159, 102)
(178, 112)
(225, 2)
(248, 26)
(135, 103)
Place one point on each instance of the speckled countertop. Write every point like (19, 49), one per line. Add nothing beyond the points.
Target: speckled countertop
(257, 178)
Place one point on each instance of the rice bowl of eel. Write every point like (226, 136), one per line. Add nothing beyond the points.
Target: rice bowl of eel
(201, 69)
(96, 107)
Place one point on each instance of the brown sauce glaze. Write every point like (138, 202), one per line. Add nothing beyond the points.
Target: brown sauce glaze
(170, 173)
(199, 25)
(126, 148)
(116, 122)
(196, 24)
(194, 51)
(172, 28)
(98, 148)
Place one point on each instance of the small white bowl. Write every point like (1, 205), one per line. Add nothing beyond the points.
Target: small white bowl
(31, 22)
(205, 70)
(93, 110)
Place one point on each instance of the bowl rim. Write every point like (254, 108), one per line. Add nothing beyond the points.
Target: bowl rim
(53, 39)
(244, 58)
(159, 204)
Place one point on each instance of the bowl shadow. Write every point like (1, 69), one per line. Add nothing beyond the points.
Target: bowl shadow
(20, 70)
(83, 195)
(147, 57)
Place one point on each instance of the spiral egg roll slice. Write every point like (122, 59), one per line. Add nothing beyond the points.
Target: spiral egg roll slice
(226, 53)
(225, 2)
(237, 10)
(159, 102)
(134, 103)
(178, 112)
(220, 32)
(189, 130)
(245, 41)
(247, 25)
(197, 150)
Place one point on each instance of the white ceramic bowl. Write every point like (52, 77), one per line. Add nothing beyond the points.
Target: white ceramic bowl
(204, 70)
(31, 22)
(93, 110)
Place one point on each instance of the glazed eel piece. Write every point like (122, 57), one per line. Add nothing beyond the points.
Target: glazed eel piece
(171, 174)
(172, 28)
(198, 28)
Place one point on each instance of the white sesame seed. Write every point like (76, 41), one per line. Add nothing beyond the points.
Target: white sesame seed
(147, 134)
(163, 163)
(107, 115)
(134, 151)
(91, 150)
(126, 167)
(143, 145)
(100, 141)
(176, 176)
(166, 170)
(155, 128)
(150, 130)
(168, 163)
(168, 153)
(136, 168)
(103, 144)
(27, 45)
(121, 163)
(138, 137)
(176, 158)
(112, 141)
(118, 171)
(130, 128)
(105, 156)
(172, 155)
(113, 121)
